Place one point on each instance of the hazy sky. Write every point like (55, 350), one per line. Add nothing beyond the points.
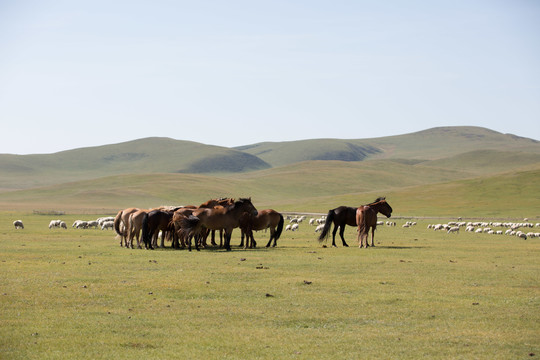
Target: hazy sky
(86, 73)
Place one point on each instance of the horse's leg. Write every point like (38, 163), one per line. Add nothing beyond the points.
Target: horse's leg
(271, 236)
(228, 235)
(372, 236)
(341, 232)
(253, 242)
(197, 240)
(213, 239)
(334, 235)
(244, 234)
(137, 234)
(162, 239)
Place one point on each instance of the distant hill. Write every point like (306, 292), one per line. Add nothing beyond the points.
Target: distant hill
(149, 155)
(354, 165)
(429, 144)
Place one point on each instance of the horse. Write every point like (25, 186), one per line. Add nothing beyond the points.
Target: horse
(210, 204)
(121, 222)
(366, 218)
(180, 237)
(135, 224)
(340, 216)
(226, 218)
(265, 219)
(153, 222)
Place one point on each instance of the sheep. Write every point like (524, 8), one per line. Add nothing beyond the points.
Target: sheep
(54, 224)
(107, 225)
(453, 229)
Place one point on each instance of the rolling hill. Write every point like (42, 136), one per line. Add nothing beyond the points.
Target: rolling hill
(442, 166)
(429, 144)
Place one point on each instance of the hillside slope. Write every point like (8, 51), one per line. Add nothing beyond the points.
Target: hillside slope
(149, 155)
(429, 144)
(316, 186)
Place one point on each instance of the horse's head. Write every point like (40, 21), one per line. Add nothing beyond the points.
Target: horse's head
(386, 209)
(383, 207)
(247, 206)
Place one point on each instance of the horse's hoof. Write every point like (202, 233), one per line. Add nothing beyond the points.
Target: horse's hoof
(345, 245)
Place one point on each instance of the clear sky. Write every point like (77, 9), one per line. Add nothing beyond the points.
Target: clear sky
(229, 73)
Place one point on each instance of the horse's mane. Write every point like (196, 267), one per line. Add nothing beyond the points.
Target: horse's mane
(379, 199)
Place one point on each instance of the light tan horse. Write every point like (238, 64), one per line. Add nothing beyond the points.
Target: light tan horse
(135, 224)
(121, 224)
(366, 218)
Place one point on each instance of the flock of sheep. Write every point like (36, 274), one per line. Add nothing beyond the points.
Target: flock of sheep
(102, 223)
(512, 228)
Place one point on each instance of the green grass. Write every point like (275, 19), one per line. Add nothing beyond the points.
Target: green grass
(311, 186)
(77, 294)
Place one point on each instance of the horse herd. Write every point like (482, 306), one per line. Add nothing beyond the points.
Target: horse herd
(186, 224)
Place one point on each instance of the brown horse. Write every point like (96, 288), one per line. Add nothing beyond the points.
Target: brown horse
(180, 237)
(366, 217)
(265, 219)
(340, 217)
(208, 205)
(226, 218)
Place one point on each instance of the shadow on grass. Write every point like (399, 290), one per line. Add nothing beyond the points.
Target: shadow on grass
(400, 247)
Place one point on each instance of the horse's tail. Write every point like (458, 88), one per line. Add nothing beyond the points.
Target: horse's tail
(362, 227)
(117, 221)
(279, 227)
(326, 229)
(190, 225)
(146, 231)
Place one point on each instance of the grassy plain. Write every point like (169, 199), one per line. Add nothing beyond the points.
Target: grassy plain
(76, 294)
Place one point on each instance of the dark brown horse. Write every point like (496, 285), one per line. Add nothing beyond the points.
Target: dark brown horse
(155, 221)
(265, 219)
(366, 218)
(226, 218)
(340, 216)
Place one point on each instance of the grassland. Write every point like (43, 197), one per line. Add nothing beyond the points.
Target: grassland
(76, 294)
